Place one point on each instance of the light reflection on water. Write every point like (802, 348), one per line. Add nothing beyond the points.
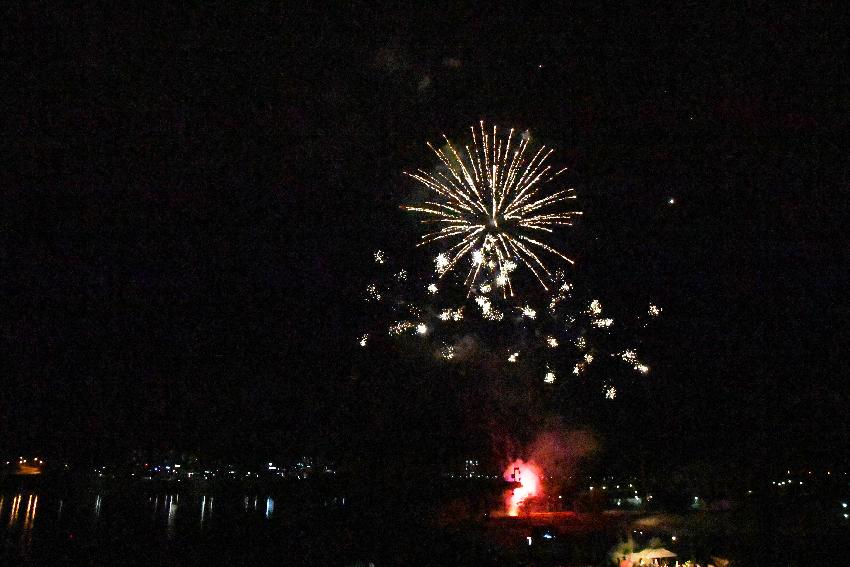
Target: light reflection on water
(172, 515)
(29, 520)
(206, 509)
(18, 511)
(13, 515)
(25, 523)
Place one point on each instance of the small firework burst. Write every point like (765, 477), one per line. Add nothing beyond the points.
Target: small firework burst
(451, 314)
(629, 356)
(372, 293)
(527, 311)
(401, 327)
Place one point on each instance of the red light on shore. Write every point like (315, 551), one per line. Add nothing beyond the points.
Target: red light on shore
(528, 475)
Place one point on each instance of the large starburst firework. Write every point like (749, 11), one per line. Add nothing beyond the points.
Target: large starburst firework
(493, 207)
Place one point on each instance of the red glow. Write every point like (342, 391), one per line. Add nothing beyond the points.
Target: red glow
(528, 475)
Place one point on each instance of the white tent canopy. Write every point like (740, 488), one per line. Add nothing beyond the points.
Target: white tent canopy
(660, 553)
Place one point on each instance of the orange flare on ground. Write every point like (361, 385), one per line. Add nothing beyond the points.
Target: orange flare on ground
(528, 475)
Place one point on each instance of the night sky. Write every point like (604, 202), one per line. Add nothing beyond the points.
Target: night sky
(191, 198)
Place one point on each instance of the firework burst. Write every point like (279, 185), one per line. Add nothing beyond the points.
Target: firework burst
(492, 210)
(491, 205)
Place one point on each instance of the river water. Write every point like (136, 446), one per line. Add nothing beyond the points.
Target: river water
(90, 527)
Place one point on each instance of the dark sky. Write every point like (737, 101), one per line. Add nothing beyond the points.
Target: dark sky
(191, 196)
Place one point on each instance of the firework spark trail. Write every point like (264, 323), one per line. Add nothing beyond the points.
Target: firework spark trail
(489, 203)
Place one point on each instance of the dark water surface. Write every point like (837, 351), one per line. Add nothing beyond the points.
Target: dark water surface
(313, 524)
(92, 527)
(300, 524)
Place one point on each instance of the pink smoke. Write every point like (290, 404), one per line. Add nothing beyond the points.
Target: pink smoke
(560, 451)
